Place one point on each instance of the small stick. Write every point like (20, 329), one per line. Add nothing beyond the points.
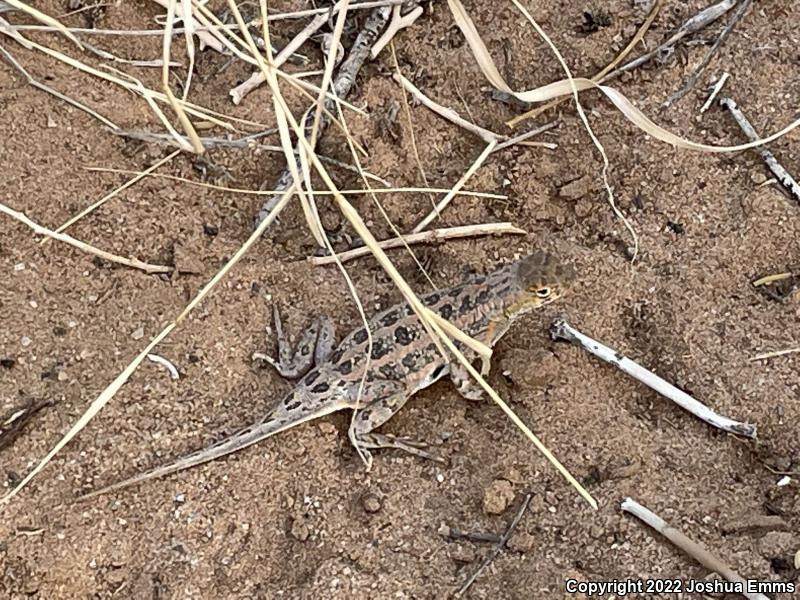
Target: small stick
(561, 330)
(399, 21)
(455, 534)
(694, 24)
(692, 79)
(715, 91)
(689, 546)
(426, 237)
(498, 548)
(766, 355)
(786, 180)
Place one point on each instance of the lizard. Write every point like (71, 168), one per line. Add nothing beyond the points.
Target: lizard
(403, 360)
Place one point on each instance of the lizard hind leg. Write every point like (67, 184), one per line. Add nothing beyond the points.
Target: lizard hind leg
(391, 397)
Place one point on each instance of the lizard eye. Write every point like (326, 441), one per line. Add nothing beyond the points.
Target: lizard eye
(544, 292)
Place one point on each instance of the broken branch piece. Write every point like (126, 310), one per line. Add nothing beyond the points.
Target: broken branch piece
(689, 546)
(561, 330)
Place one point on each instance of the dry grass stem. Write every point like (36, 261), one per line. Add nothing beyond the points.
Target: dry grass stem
(43, 18)
(440, 206)
(46, 88)
(195, 145)
(68, 239)
(638, 37)
(775, 354)
(138, 177)
(425, 237)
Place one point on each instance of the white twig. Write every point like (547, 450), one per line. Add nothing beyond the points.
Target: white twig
(689, 546)
(786, 180)
(160, 360)
(561, 330)
(715, 91)
(432, 236)
(399, 21)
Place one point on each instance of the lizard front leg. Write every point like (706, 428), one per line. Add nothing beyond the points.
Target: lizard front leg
(385, 398)
(314, 347)
(465, 385)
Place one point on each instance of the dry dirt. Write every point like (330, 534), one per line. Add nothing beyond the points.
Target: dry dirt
(297, 516)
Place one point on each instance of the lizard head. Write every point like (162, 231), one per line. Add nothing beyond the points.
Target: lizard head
(541, 278)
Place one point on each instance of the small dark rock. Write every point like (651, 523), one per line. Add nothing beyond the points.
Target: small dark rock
(676, 228)
(210, 230)
(7, 363)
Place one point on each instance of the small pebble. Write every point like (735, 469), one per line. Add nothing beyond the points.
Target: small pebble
(522, 542)
(299, 530)
(498, 497)
(25, 341)
(138, 333)
(371, 503)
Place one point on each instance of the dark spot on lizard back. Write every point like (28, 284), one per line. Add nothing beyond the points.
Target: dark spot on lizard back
(320, 388)
(311, 377)
(360, 336)
(432, 298)
(446, 311)
(403, 335)
(336, 356)
(291, 405)
(483, 296)
(467, 305)
(345, 368)
(410, 361)
(456, 291)
(380, 349)
(388, 371)
(390, 318)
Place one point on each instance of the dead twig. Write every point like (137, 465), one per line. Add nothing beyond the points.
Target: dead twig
(692, 25)
(561, 330)
(498, 548)
(782, 175)
(399, 21)
(689, 83)
(425, 237)
(689, 546)
(342, 84)
(455, 534)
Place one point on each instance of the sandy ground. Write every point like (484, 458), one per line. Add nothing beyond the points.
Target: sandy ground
(298, 516)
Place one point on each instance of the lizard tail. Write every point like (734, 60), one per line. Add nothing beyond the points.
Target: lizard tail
(286, 415)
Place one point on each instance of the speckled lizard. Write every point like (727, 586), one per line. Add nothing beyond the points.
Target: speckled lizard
(403, 360)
